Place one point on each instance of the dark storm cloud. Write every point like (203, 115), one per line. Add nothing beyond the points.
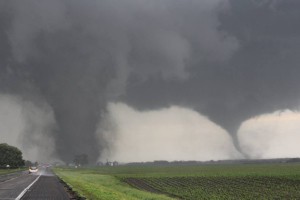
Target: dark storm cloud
(229, 60)
(78, 54)
(262, 76)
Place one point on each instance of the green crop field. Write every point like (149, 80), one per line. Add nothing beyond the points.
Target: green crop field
(248, 181)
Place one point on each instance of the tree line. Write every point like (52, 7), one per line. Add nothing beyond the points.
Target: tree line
(10, 156)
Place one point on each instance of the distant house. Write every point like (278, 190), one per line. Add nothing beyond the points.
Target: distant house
(111, 164)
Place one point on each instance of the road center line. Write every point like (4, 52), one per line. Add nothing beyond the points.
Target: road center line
(27, 188)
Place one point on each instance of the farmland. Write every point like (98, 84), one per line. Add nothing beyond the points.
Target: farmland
(248, 181)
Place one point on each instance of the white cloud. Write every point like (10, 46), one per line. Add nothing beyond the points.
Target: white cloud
(11, 121)
(173, 133)
(28, 127)
(271, 135)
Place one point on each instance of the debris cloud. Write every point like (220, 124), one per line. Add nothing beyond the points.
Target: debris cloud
(173, 133)
(271, 135)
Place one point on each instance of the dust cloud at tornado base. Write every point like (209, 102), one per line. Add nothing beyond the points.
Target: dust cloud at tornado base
(178, 133)
(67, 68)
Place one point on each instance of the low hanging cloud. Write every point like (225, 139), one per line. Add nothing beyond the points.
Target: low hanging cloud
(173, 133)
(11, 121)
(272, 135)
(27, 126)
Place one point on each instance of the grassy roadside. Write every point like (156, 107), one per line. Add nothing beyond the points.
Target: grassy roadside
(100, 186)
(9, 171)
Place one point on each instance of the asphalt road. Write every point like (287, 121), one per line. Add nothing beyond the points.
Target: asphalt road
(41, 185)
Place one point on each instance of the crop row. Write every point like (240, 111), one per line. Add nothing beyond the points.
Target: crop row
(220, 187)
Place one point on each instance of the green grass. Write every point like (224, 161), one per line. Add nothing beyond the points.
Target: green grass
(100, 186)
(248, 181)
(9, 171)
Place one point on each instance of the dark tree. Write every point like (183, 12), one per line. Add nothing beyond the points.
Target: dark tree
(81, 159)
(10, 155)
(28, 163)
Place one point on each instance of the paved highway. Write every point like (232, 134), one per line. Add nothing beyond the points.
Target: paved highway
(41, 185)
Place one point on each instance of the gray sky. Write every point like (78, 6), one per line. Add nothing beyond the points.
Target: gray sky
(228, 60)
